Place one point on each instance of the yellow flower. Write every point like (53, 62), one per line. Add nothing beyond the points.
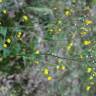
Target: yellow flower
(89, 70)
(37, 52)
(49, 78)
(86, 42)
(51, 30)
(46, 71)
(62, 67)
(67, 13)
(59, 29)
(87, 22)
(58, 67)
(4, 11)
(5, 45)
(1, 1)
(25, 18)
(69, 46)
(91, 78)
(83, 33)
(88, 88)
(19, 33)
(59, 22)
(81, 56)
(59, 60)
(36, 62)
(8, 40)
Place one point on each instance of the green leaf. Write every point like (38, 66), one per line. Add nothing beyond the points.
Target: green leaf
(3, 31)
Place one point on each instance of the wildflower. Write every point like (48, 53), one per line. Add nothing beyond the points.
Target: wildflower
(58, 67)
(55, 8)
(87, 22)
(8, 40)
(59, 29)
(37, 52)
(88, 88)
(49, 78)
(25, 18)
(62, 67)
(89, 70)
(36, 62)
(19, 34)
(67, 13)
(51, 30)
(59, 22)
(1, 1)
(4, 11)
(46, 71)
(83, 33)
(59, 61)
(5, 45)
(69, 46)
(86, 42)
(81, 56)
(91, 78)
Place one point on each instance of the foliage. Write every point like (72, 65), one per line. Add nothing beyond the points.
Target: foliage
(49, 44)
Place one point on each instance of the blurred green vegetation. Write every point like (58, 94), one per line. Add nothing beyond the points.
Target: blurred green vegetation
(54, 39)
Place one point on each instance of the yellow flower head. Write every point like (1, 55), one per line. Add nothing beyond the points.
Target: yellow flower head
(8, 40)
(91, 78)
(59, 30)
(5, 45)
(37, 52)
(25, 18)
(67, 13)
(88, 88)
(57, 67)
(46, 71)
(19, 33)
(69, 46)
(51, 30)
(4, 11)
(36, 62)
(89, 70)
(87, 22)
(59, 22)
(1, 1)
(86, 42)
(62, 67)
(81, 56)
(83, 33)
(49, 78)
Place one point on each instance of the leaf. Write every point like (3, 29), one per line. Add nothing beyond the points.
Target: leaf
(3, 31)
(6, 53)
